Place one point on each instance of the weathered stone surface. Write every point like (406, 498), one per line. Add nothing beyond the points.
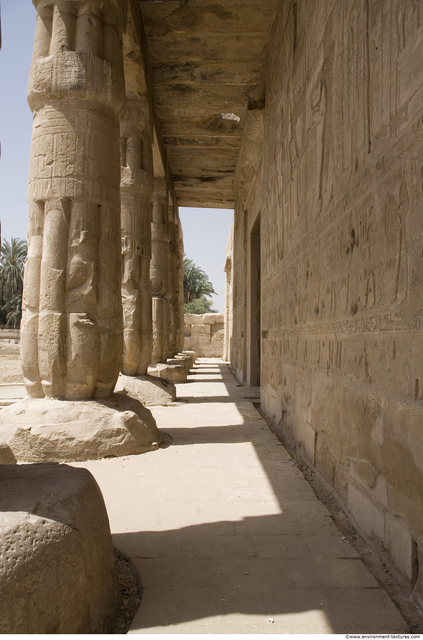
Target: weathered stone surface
(212, 318)
(177, 361)
(322, 159)
(159, 271)
(71, 326)
(148, 389)
(192, 354)
(326, 263)
(6, 454)
(205, 57)
(172, 372)
(192, 318)
(40, 430)
(185, 358)
(136, 190)
(180, 285)
(173, 279)
(205, 334)
(57, 571)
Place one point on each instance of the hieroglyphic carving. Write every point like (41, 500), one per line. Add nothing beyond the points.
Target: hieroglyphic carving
(172, 281)
(136, 204)
(159, 271)
(357, 85)
(71, 327)
(342, 295)
(179, 312)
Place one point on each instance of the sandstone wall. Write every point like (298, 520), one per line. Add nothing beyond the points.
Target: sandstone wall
(340, 196)
(204, 334)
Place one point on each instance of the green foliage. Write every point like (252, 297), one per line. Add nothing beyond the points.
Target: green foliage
(12, 264)
(13, 310)
(196, 283)
(199, 306)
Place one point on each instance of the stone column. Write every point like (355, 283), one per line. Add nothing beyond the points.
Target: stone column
(159, 274)
(164, 280)
(171, 296)
(136, 201)
(227, 314)
(71, 339)
(180, 284)
(71, 326)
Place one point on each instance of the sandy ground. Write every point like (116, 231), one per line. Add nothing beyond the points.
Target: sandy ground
(10, 365)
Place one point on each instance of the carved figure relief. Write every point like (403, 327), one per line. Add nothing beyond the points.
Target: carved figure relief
(70, 295)
(136, 214)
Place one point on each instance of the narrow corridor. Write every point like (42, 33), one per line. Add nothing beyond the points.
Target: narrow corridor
(226, 533)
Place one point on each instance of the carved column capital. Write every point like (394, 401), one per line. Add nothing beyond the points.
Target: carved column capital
(77, 53)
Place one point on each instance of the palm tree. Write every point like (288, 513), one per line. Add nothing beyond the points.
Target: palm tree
(199, 306)
(12, 264)
(13, 310)
(196, 282)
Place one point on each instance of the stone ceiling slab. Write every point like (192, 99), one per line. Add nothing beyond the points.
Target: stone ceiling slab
(205, 60)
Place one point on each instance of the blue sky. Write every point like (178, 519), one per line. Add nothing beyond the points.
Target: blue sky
(205, 230)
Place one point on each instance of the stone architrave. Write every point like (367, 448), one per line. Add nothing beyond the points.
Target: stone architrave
(159, 272)
(136, 203)
(71, 326)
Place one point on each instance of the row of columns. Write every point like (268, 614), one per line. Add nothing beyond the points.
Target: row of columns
(102, 289)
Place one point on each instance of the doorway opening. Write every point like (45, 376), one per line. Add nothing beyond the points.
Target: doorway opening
(206, 233)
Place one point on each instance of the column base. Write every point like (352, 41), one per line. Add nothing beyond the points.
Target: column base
(46, 429)
(172, 372)
(190, 353)
(179, 362)
(149, 390)
(185, 358)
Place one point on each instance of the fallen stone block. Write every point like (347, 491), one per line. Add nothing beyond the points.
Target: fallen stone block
(57, 570)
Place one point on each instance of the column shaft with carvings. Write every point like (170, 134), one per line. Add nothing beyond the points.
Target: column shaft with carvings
(180, 325)
(136, 201)
(171, 296)
(159, 273)
(71, 327)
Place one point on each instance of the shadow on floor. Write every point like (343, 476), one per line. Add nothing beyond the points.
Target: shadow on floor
(260, 567)
(292, 562)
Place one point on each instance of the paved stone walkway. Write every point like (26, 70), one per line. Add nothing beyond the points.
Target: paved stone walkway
(225, 531)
